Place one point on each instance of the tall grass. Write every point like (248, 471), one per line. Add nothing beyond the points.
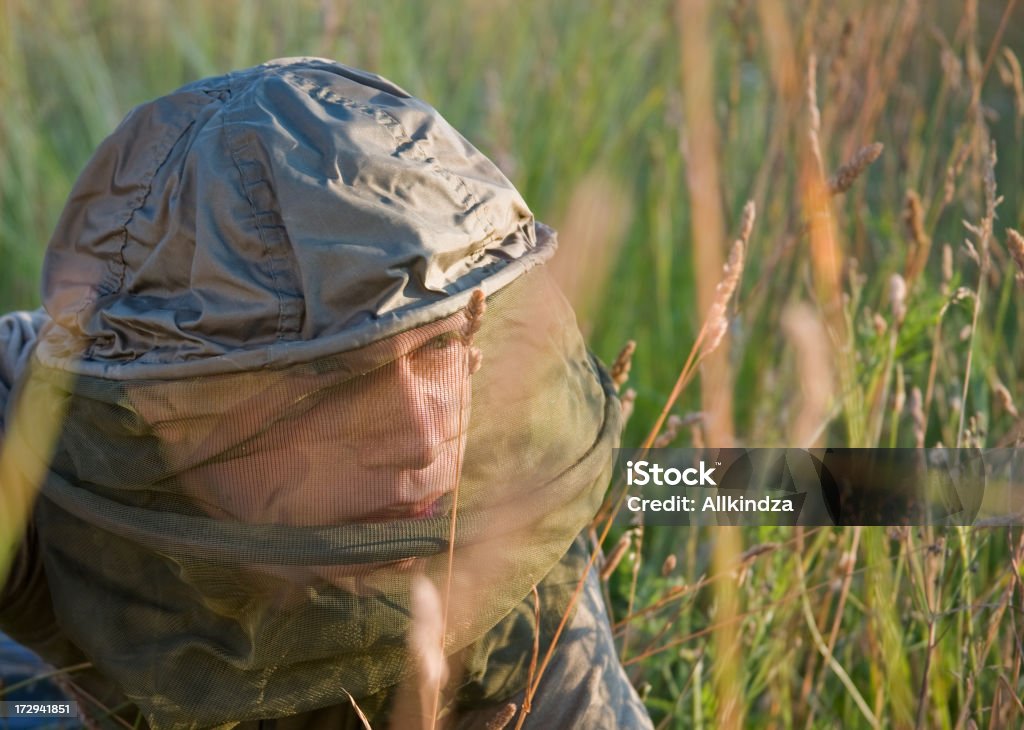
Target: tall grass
(594, 112)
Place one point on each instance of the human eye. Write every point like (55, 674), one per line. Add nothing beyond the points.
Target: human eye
(443, 341)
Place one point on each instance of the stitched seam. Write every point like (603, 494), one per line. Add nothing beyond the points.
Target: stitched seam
(160, 151)
(230, 138)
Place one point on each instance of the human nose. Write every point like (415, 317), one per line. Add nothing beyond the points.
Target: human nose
(424, 414)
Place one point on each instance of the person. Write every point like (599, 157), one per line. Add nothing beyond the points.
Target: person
(300, 361)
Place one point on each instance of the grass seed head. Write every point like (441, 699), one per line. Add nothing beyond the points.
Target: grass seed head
(1005, 400)
(667, 436)
(879, 323)
(501, 720)
(898, 298)
(848, 173)
(475, 309)
(623, 363)
(475, 359)
(920, 241)
(1015, 243)
(716, 324)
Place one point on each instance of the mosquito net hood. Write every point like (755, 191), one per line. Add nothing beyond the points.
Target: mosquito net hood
(268, 398)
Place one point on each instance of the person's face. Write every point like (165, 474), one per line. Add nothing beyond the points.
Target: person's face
(382, 446)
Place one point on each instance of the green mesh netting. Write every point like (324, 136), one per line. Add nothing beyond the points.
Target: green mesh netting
(241, 546)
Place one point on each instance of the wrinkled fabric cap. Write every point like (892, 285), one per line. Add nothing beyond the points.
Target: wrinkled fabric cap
(270, 216)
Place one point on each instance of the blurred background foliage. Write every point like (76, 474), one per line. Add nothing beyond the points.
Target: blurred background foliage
(584, 106)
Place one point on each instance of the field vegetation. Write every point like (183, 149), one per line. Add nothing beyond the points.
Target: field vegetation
(878, 301)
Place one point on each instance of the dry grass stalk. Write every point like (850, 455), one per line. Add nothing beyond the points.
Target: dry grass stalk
(758, 550)
(503, 718)
(917, 416)
(359, 711)
(899, 396)
(1010, 73)
(806, 334)
(716, 323)
(532, 670)
(1005, 400)
(622, 365)
(591, 231)
(628, 402)
(972, 252)
(703, 174)
(947, 267)
(616, 555)
(984, 234)
(814, 112)
(475, 309)
(962, 294)
(920, 241)
(697, 436)
(954, 171)
(848, 173)
(879, 324)
(669, 434)
(952, 67)
(974, 436)
(1015, 244)
(898, 298)
(21, 473)
(475, 359)
(426, 641)
(838, 65)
